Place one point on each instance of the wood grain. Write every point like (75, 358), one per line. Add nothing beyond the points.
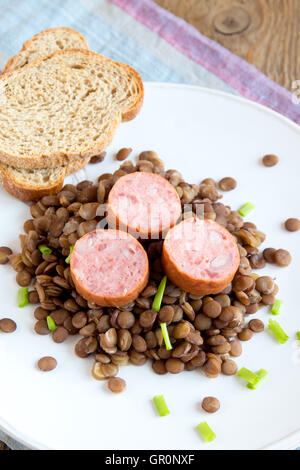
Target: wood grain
(3, 446)
(271, 41)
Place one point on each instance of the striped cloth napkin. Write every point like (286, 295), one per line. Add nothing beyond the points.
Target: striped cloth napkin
(159, 45)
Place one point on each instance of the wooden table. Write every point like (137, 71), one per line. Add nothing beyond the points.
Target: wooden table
(264, 32)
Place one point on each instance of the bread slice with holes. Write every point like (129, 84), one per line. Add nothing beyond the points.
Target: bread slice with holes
(45, 43)
(65, 107)
(29, 185)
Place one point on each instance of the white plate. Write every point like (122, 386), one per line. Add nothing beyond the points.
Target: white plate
(202, 133)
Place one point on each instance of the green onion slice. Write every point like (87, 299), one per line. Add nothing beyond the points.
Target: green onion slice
(166, 337)
(161, 405)
(280, 335)
(67, 260)
(298, 335)
(51, 324)
(206, 432)
(276, 307)
(246, 209)
(45, 250)
(249, 376)
(159, 294)
(23, 299)
(262, 374)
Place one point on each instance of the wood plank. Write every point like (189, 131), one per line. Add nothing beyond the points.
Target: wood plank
(3, 446)
(271, 40)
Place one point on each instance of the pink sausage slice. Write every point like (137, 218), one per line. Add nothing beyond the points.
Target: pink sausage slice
(200, 256)
(143, 204)
(109, 267)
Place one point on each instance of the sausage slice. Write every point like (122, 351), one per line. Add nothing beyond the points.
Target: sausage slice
(143, 204)
(200, 256)
(109, 267)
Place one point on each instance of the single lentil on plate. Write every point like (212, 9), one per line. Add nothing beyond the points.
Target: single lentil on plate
(7, 325)
(292, 224)
(270, 160)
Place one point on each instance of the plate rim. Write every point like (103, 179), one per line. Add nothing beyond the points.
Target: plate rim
(288, 442)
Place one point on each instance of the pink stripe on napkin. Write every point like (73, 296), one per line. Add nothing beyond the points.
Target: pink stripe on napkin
(230, 68)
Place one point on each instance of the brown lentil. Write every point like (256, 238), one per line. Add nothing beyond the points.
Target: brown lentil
(126, 319)
(98, 158)
(41, 327)
(227, 184)
(264, 284)
(235, 348)
(7, 325)
(270, 160)
(159, 367)
(268, 299)
(292, 225)
(174, 365)
(212, 309)
(282, 258)
(245, 335)
(5, 252)
(123, 154)
(256, 325)
(229, 367)
(116, 385)
(210, 404)
(60, 334)
(47, 363)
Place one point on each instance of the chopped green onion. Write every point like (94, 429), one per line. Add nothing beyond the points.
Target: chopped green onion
(51, 324)
(206, 432)
(159, 294)
(276, 307)
(298, 335)
(166, 337)
(246, 209)
(68, 259)
(161, 405)
(249, 376)
(23, 299)
(45, 250)
(280, 335)
(262, 374)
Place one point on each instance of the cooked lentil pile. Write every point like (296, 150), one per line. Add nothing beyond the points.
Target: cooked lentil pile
(205, 331)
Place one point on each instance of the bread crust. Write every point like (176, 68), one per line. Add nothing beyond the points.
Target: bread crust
(29, 192)
(60, 158)
(13, 60)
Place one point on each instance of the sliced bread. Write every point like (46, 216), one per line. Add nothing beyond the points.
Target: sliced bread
(45, 43)
(29, 185)
(64, 107)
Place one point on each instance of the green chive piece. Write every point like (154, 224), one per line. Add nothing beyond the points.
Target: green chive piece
(280, 335)
(249, 376)
(161, 405)
(45, 250)
(166, 337)
(68, 259)
(276, 307)
(246, 209)
(159, 294)
(51, 324)
(23, 299)
(262, 374)
(298, 335)
(206, 432)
